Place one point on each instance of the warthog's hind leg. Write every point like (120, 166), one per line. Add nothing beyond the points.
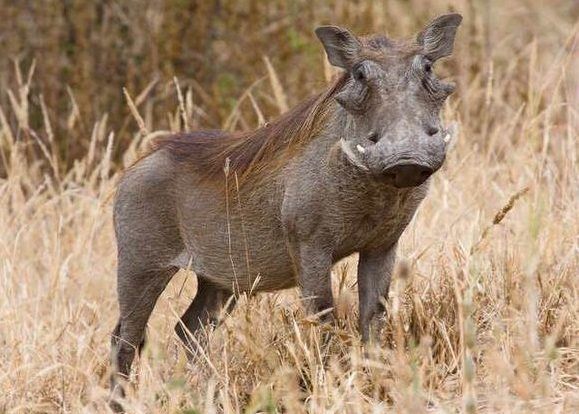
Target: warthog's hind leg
(203, 312)
(138, 294)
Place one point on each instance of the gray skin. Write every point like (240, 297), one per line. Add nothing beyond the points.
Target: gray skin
(353, 188)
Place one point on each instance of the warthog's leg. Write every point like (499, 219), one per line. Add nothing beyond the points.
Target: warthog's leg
(374, 273)
(138, 292)
(202, 313)
(314, 266)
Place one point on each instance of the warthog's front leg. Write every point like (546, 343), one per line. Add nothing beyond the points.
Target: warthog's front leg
(314, 266)
(374, 273)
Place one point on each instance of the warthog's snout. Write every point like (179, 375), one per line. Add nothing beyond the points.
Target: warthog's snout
(407, 175)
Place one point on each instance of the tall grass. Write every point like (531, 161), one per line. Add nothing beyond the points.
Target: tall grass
(483, 310)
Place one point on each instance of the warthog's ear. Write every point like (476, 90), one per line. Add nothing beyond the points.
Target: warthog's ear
(342, 47)
(437, 39)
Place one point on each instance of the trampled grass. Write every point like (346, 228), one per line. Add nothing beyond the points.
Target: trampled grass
(483, 309)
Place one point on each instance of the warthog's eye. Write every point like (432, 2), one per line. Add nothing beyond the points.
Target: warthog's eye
(435, 88)
(365, 71)
(360, 72)
(356, 91)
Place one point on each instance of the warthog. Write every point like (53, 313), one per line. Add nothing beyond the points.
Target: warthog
(342, 172)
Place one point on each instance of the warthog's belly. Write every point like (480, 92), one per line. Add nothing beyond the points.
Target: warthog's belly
(241, 246)
(241, 269)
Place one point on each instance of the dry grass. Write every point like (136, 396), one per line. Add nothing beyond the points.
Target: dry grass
(483, 311)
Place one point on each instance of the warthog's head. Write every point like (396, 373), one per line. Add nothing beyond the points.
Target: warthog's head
(392, 100)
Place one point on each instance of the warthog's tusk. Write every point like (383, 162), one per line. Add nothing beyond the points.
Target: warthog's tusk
(450, 135)
(352, 157)
(361, 149)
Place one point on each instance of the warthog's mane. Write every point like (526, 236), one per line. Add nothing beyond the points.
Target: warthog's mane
(250, 153)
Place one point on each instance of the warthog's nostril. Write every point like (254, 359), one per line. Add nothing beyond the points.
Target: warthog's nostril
(374, 137)
(407, 175)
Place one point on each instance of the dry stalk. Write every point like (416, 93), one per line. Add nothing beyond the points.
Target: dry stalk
(181, 104)
(135, 113)
(278, 92)
(499, 216)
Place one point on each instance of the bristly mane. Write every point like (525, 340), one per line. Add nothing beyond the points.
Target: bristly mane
(263, 150)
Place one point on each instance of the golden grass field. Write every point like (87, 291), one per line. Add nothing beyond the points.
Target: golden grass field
(483, 311)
